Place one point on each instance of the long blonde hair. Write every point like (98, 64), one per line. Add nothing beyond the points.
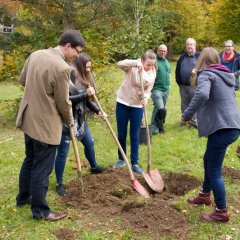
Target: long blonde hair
(208, 56)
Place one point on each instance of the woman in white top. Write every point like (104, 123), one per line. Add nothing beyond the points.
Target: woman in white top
(130, 102)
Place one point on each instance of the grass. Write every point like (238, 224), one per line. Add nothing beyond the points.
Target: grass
(178, 150)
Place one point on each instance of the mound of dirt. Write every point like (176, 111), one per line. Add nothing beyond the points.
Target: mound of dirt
(64, 234)
(231, 172)
(110, 199)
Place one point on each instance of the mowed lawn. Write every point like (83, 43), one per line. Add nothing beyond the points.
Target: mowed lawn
(177, 150)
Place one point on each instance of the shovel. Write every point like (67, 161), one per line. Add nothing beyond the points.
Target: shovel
(138, 187)
(192, 124)
(75, 148)
(152, 177)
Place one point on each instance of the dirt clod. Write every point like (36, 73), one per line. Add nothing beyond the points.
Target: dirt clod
(64, 234)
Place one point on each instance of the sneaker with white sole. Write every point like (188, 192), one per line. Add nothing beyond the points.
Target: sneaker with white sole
(119, 164)
(60, 189)
(137, 169)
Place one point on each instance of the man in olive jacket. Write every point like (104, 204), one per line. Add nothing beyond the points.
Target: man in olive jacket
(44, 106)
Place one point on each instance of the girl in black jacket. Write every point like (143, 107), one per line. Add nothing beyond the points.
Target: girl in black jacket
(81, 88)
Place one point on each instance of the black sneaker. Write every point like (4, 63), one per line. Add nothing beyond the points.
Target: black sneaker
(97, 170)
(61, 190)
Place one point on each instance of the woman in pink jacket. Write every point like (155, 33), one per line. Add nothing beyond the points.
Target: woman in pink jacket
(130, 102)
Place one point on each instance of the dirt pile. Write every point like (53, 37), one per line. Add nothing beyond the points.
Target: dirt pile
(110, 199)
(231, 172)
(64, 234)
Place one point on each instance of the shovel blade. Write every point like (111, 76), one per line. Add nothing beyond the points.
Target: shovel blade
(139, 188)
(154, 180)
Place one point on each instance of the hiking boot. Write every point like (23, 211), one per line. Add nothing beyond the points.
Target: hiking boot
(219, 215)
(61, 191)
(119, 164)
(202, 198)
(97, 170)
(137, 169)
(161, 130)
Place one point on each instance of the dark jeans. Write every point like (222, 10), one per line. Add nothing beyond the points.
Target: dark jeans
(63, 149)
(34, 175)
(134, 115)
(213, 159)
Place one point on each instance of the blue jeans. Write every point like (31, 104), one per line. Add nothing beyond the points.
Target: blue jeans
(213, 159)
(134, 115)
(63, 148)
(159, 101)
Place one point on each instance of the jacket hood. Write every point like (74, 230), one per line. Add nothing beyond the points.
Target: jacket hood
(219, 67)
(223, 72)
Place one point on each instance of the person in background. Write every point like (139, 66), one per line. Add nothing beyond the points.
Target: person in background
(45, 104)
(160, 90)
(82, 88)
(231, 59)
(218, 120)
(130, 102)
(184, 68)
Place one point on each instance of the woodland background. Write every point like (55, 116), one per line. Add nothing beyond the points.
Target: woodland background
(114, 29)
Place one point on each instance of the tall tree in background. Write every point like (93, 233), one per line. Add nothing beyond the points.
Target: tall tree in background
(181, 19)
(227, 15)
(136, 28)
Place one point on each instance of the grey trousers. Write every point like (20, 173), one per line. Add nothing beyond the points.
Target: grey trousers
(159, 101)
(186, 94)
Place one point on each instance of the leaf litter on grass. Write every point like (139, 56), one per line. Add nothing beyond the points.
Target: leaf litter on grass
(110, 200)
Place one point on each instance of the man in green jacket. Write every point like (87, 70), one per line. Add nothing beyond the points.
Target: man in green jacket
(160, 90)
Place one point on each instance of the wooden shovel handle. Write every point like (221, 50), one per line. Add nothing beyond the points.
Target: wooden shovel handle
(147, 127)
(75, 148)
(116, 140)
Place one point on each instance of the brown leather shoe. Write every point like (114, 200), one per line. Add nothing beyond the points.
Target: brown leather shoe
(217, 216)
(202, 198)
(55, 216)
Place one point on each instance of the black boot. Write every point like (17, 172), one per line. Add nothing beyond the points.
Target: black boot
(160, 118)
(61, 191)
(97, 170)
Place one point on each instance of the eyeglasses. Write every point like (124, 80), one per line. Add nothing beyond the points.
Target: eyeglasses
(228, 46)
(78, 51)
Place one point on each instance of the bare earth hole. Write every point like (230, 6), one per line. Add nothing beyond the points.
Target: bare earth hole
(110, 202)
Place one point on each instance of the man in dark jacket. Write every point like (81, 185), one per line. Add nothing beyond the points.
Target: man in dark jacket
(185, 65)
(231, 59)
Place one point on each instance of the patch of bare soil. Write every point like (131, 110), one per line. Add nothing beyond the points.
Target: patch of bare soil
(231, 172)
(109, 200)
(64, 234)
